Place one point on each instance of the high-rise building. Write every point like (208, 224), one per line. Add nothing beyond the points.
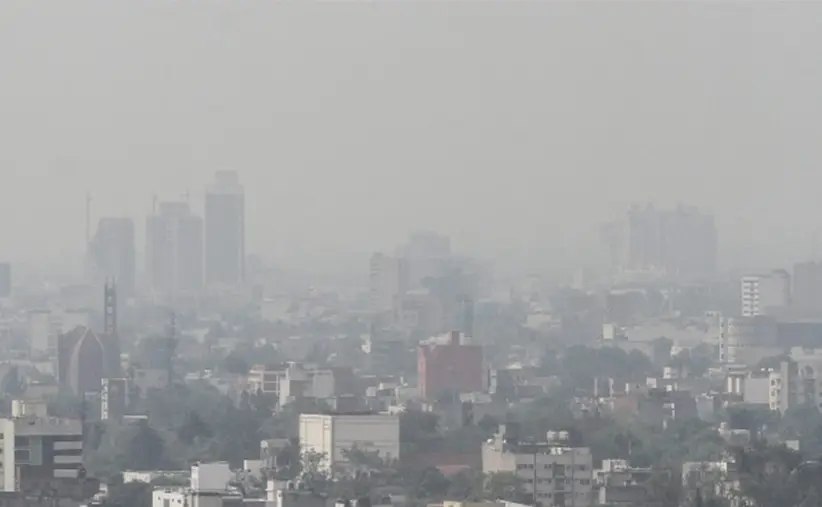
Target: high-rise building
(225, 230)
(174, 249)
(680, 243)
(388, 281)
(112, 253)
(763, 292)
(5, 279)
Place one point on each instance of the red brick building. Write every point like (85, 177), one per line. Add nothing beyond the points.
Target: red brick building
(453, 367)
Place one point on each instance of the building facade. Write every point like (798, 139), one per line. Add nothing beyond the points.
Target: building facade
(332, 436)
(762, 293)
(225, 231)
(553, 472)
(37, 450)
(174, 249)
(453, 367)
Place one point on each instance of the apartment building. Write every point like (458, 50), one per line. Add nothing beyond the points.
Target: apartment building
(554, 472)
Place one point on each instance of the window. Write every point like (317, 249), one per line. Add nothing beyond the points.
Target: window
(22, 455)
(166, 503)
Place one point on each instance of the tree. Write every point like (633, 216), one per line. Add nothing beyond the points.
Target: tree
(194, 427)
(141, 448)
(235, 364)
(505, 486)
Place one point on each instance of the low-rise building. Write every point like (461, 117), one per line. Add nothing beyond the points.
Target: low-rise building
(331, 436)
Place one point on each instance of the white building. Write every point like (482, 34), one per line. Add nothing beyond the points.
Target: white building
(762, 292)
(553, 472)
(292, 382)
(206, 477)
(47, 444)
(333, 435)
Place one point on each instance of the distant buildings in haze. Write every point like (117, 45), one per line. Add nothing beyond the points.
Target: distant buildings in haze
(225, 231)
(174, 249)
(677, 243)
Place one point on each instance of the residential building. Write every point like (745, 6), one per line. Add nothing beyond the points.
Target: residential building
(37, 451)
(225, 231)
(451, 367)
(761, 293)
(286, 383)
(554, 472)
(112, 254)
(174, 250)
(333, 435)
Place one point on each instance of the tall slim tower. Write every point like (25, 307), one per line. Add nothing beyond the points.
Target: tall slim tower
(225, 231)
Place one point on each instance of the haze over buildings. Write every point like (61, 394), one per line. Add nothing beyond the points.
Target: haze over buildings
(719, 122)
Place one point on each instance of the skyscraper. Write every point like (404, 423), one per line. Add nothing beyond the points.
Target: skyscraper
(112, 253)
(225, 230)
(680, 243)
(174, 249)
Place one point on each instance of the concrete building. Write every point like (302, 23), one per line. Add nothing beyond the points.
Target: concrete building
(38, 450)
(174, 250)
(210, 477)
(554, 473)
(112, 254)
(451, 367)
(761, 293)
(225, 231)
(333, 435)
(286, 383)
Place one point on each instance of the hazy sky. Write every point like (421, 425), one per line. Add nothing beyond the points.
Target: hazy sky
(513, 126)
